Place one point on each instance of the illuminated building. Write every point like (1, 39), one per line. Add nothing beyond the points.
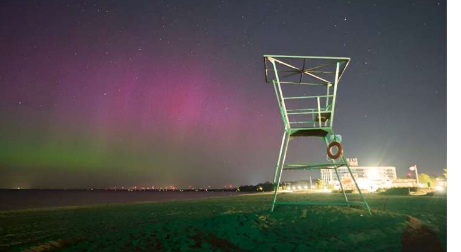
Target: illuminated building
(368, 178)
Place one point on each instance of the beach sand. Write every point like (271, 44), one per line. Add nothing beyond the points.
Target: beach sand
(234, 223)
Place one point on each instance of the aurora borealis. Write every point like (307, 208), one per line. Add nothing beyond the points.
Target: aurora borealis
(122, 93)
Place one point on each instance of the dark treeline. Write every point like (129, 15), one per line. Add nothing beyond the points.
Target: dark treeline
(262, 187)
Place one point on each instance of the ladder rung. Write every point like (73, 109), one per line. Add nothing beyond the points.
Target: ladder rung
(303, 83)
(308, 112)
(301, 109)
(306, 97)
(312, 121)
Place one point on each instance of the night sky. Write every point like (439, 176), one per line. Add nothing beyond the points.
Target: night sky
(160, 93)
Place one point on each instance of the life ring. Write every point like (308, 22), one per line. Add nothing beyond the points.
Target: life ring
(330, 148)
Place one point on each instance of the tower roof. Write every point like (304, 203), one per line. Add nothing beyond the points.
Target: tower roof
(305, 70)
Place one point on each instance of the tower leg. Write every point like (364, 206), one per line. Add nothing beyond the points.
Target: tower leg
(282, 146)
(341, 184)
(355, 182)
(337, 175)
(279, 167)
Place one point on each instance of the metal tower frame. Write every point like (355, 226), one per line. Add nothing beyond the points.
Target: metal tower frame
(322, 74)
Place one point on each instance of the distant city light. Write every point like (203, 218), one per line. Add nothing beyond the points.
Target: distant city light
(439, 188)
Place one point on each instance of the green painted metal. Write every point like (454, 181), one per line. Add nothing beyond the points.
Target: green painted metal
(336, 171)
(279, 169)
(307, 97)
(328, 71)
(356, 185)
(321, 203)
(315, 165)
(307, 57)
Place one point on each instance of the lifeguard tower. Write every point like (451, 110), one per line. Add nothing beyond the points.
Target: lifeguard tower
(305, 88)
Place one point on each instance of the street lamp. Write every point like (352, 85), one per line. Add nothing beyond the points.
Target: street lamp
(415, 168)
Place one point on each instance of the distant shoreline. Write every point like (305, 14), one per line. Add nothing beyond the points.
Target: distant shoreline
(129, 190)
(50, 198)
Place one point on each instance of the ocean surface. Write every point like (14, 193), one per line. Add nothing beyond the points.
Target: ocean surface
(26, 199)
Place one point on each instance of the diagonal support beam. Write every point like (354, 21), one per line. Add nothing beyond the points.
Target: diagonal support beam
(279, 168)
(300, 71)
